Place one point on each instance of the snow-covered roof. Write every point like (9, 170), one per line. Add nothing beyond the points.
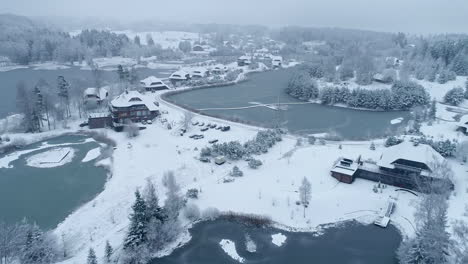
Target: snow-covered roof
(179, 75)
(245, 57)
(150, 81)
(91, 91)
(406, 150)
(198, 71)
(132, 98)
(463, 121)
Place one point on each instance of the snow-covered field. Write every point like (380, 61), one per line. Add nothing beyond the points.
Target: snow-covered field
(167, 39)
(271, 190)
(55, 157)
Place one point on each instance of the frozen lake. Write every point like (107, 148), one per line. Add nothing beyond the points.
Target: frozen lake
(266, 88)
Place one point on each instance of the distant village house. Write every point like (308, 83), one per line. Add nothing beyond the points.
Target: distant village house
(152, 84)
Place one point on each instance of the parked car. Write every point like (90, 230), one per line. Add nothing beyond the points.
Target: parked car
(149, 122)
(213, 126)
(195, 123)
(83, 124)
(198, 137)
(225, 128)
(205, 159)
(204, 129)
(143, 122)
(213, 141)
(201, 124)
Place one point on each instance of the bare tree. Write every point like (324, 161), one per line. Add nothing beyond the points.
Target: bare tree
(188, 116)
(305, 193)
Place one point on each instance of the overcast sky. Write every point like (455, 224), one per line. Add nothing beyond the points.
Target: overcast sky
(415, 16)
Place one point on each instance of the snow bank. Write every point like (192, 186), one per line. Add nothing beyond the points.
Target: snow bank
(230, 248)
(12, 67)
(278, 239)
(396, 120)
(49, 66)
(92, 154)
(51, 158)
(250, 245)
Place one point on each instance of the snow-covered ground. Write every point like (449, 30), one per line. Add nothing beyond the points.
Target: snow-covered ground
(230, 248)
(55, 157)
(278, 239)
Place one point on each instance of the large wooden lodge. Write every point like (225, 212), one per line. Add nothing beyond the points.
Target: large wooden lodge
(131, 106)
(404, 165)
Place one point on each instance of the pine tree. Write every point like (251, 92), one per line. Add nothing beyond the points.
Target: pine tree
(108, 252)
(91, 257)
(433, 110)
(466, 89)
(137, 233)
(120, 73)
(136, 40)
(152, 203)
(63, 88)
(36, 248)
(305, 193)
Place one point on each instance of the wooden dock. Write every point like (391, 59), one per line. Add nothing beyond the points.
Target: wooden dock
(384, 220)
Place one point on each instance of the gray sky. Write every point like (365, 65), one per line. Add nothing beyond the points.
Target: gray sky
(415, 16)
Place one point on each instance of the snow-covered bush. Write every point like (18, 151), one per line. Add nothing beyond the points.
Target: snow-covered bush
(210, 213)
(446, 148)
(192, 193)
(445, 76)
(312, 140)
(236, 172)
(392, 141)
(131, 130)
(192, 212)
(454, 96)
(254, 163)
(205, 152)
(232, 75)
(372, 146)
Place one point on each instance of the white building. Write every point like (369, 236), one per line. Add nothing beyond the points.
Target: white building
(179, 76)
(94, 96)
(152, 84)
(199, 73)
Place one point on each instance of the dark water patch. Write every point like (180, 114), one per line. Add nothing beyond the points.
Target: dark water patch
(348, 243)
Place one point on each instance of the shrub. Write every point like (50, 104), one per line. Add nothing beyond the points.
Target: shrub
(232, 75)
(192, 193)
(454, 96)
(192, 212)
(254, 163)
(312, 140)
(205, 152)
(392, 141)
(236, 172)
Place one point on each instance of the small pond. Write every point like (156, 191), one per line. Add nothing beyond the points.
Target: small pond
(268, 88)
(349, 243)
(47, 194)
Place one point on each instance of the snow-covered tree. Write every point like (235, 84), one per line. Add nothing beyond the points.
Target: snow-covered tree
(63, 92)
(92, 259)
(372, 146)
(305, 193)
(185, 46)
(137, 233)
(454, 96)
(38, 247)
(302, 86)
(137, 40)
(433, 110)
(108, 252)
(254, 163)
(154, 210)
(149, 40)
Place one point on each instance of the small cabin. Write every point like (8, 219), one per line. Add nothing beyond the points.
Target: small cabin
(219, 69)
(344, 170)
(93, 96)
(244, 60)
(198, 48)
(99, 120)
(277, 61)
(152, 84)
(179, 76)
(200, 73)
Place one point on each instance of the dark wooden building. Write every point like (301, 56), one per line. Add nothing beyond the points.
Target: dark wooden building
(404, 165)
(131, 106)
